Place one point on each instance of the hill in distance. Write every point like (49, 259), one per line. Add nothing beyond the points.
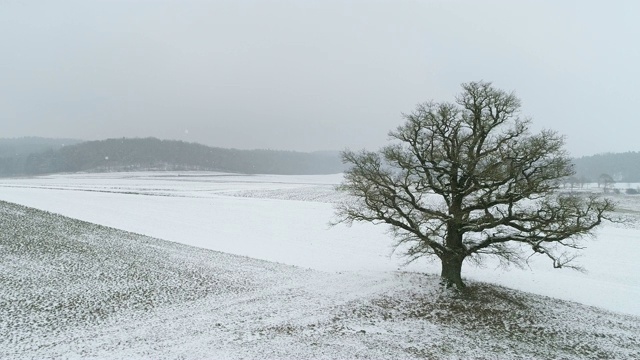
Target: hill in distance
(153, 154)
(36, 156)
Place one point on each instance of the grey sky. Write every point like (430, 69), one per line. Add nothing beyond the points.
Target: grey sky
(311, 75)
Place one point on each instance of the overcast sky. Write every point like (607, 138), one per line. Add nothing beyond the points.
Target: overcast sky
(312, 75)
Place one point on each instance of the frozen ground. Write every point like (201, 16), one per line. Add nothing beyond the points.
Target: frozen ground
(76, 290)
(285, 219)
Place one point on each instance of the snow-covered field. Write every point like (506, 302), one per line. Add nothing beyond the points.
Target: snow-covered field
(76, 290)
(286, 219)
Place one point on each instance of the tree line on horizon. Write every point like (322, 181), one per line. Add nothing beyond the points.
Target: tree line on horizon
(620, 167)
(127, 154)
(34, 156)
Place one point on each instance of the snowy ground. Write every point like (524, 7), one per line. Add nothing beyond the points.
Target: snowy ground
(76, 290)
(285, 219)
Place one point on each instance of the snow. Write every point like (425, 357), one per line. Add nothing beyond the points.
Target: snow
(285, 219)
(77, 290)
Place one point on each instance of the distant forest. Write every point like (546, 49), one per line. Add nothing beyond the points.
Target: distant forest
(33, 156)
(29, 145)
(14, 153)
(622, 167)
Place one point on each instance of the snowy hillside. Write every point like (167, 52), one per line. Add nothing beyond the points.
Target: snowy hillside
(72, 289)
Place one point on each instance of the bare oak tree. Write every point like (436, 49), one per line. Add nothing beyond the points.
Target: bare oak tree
(466, 180)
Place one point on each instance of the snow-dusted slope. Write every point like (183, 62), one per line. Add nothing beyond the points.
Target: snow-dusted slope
(285, 219)
(75, 290)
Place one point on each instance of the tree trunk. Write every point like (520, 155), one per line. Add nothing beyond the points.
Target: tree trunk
(451, 270)
(454, 256)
